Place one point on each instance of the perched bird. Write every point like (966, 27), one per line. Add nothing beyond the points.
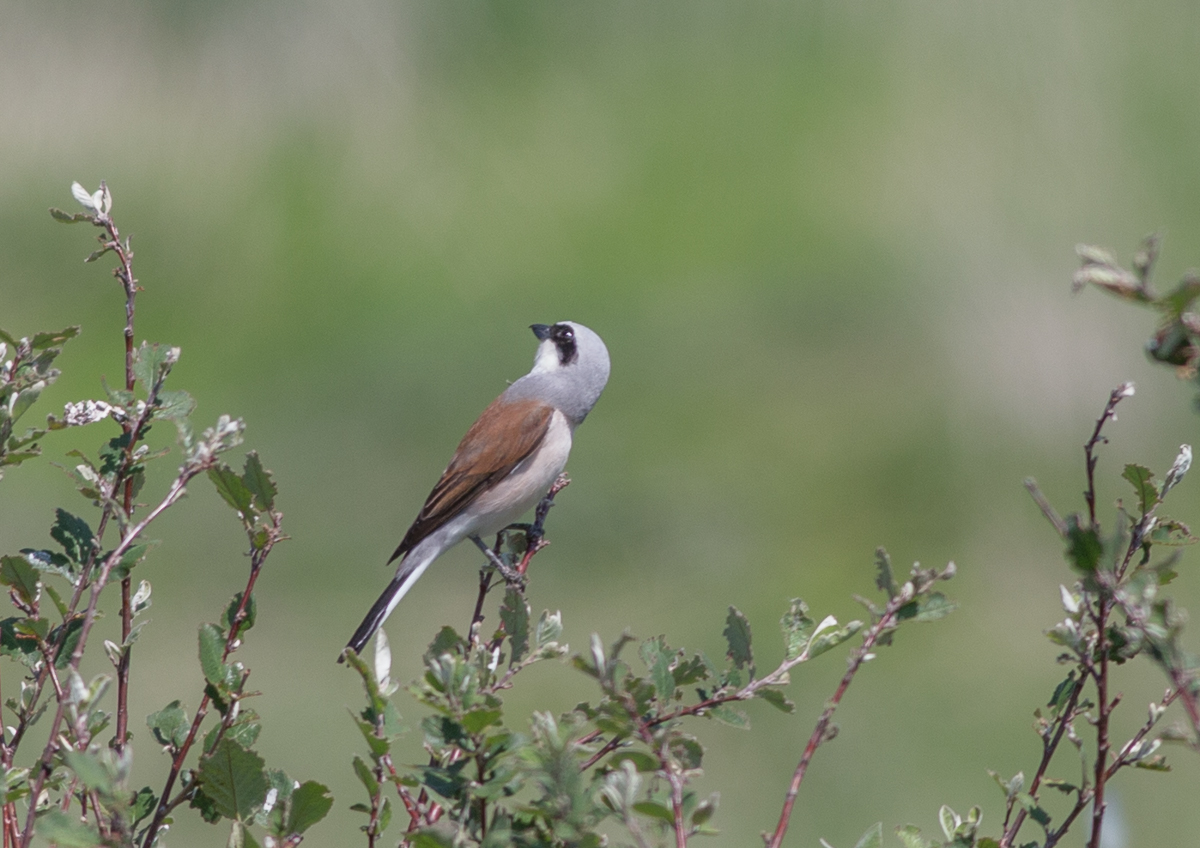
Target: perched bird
(507, 461)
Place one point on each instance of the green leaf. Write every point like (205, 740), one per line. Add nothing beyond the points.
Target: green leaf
(365, 775)
(212, 649)
(884, 579)
(44, 341)
(152, 363)
(1144, 488)
(132, 556)
(730, 716)
(873, 838)
(258, 481)
(1083, 545)
(657, 656)
(514, 614)
(1172, 533)
(797, 629)
(476, 720)
(72, 629)
(654, 811)
(910, 835)
(251, 613)
(74, 534)
(89, 769)
(174, 405)
(169, 725)
(231, 488)
(549, 629)
(310, 802)
(737, 636)
(66, 831)
(234, 779)
(776, 699)
(67, 217)
(830, 638)
(17, 574)
(934, 607)
(142, 805)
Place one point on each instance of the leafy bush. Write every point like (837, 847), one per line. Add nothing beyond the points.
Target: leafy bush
(618, 769)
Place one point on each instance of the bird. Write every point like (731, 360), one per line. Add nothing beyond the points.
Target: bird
(505, 463)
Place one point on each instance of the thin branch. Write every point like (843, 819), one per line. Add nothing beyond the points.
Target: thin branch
(1118, 394)
(258, 557)
(1049, 747)
(886, 622)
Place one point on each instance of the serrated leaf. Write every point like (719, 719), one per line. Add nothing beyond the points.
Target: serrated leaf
(152, 363)
(44, 341)
(657, 656)
(776, 699)
(174, 405)
(74, 534)
(169, 725)
(730, 716)
(234, 780)
(258, 480)
(797, 629)
(310, 802)
(1083, 545)
(1172, 533)
(142, 806)
(737, 637)
(17, 574)
(231, 488)
(67, 217)
(933, 607)
(1144, 489)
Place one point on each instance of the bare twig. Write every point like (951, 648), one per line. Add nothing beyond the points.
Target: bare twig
(886, 622)
(1118, 394)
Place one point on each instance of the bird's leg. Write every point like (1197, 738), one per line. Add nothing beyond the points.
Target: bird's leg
(509, 574)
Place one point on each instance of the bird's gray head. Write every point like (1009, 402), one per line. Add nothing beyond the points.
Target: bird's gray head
(570, 369)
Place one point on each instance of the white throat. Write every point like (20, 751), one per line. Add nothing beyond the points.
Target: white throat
(546, 359)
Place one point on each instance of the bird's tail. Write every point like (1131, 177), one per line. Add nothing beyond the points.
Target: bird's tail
(410, 569)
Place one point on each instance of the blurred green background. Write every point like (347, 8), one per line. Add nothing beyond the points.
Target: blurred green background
(829, 246)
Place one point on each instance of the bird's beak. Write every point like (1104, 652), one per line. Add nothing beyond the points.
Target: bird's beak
(542, 331)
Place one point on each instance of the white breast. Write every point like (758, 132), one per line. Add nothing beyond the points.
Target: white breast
(526, 484)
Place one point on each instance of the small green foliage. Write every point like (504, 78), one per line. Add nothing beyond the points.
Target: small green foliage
(737, 636)
(74, 534)
(1083, 545)
(18, 575)
(57, 828)
(212, 648)
(233, 779)
(1144, 488)
(169, 725)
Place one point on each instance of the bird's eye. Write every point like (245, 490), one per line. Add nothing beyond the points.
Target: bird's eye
(563, 333)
